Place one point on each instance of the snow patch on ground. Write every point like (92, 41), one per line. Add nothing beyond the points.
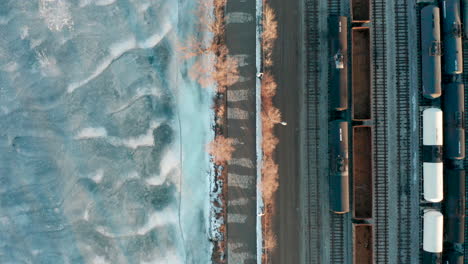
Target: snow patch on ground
(91, 132)
(143, 140)
(99, 260)
(48, 65)
(56, 14)
(98, 175)
(104, 2)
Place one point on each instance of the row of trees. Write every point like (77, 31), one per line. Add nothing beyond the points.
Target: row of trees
(270, 117)
(222, 74)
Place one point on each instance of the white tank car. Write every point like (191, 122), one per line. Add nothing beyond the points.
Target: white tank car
(432, 127)
(433, 181)
(432, 155)
(433, 231)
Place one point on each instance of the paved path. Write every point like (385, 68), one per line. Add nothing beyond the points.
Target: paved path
(241, 196)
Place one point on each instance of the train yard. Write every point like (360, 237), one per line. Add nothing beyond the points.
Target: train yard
(394, 124)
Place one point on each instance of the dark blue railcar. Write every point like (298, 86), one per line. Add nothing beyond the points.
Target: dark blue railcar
(454, 121)
(452, 37)
(431, 52)
(454, 206)
(339, 62)
(339, 166)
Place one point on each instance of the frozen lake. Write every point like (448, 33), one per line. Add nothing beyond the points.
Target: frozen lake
(102, 134)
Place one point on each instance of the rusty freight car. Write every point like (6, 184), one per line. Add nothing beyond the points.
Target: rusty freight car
(363, 243)
(361, 74)
(360, 10)
(362, 172)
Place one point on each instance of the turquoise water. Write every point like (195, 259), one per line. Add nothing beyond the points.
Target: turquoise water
(102, 134)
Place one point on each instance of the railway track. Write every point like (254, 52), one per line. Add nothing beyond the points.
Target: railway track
(403, 126)
(334, 7)
(422, 102)
(379, 79)
(337, 250)
(314, 225)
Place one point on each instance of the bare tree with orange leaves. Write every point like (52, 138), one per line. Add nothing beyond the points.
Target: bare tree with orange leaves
(221, 148)
(269, 35)
(226, 73)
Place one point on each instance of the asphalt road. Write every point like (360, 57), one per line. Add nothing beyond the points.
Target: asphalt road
(288, 70)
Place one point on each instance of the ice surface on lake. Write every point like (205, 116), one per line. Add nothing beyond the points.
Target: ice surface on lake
(102, 134)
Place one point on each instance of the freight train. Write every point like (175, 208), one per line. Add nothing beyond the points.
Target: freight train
(338, 132)
(359, 110)
(442, 24)
(342, 115)
(454, 143)
(441, 59)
